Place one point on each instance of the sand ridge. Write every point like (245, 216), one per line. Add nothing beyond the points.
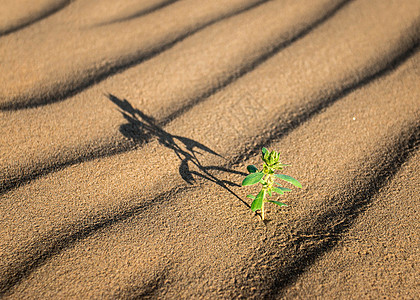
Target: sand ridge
(39, 77)
(143, 200)
(16, 15)
(207, 78)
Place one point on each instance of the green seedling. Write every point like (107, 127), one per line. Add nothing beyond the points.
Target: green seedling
(267, 177)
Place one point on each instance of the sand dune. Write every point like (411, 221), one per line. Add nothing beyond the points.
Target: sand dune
(120, 169)
(40, 77)
(17, 14)
(208, 77)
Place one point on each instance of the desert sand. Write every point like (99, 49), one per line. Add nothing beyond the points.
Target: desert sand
(127, 127)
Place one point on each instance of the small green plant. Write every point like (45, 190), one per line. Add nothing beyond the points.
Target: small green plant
(266, 177)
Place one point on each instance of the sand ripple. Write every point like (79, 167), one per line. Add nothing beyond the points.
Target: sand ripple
(124, 139)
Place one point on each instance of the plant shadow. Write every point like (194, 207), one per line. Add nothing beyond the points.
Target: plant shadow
(141, 128)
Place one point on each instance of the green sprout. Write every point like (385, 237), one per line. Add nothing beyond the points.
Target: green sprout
(266, 177)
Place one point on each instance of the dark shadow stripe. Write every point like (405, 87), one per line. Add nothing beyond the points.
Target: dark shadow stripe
(49, 246)
(105, 150)
(151, 289)
(140, 13)
(283, 128)
(38, 253)
(128, 146)
(326, 229)
(41, 16)
(387, 167)
(254, 64)
(56, 95)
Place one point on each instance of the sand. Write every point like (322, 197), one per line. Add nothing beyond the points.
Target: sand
(127, 127)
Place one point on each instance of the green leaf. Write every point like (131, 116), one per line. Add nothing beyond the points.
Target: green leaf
(251, 196)
(289, 180)
(283, 188)
(264, 151)
(265, 154)
(252, 169)
(270, 193)
(279, 166)
(277, 202)
(257, 203)
(278, 191)
(252, 178)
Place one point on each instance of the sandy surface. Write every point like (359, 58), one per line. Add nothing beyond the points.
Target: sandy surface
(127, 127)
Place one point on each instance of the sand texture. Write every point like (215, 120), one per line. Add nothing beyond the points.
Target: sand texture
(127, 127)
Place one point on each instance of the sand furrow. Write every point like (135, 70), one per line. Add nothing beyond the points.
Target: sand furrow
(187, 75)
(172, 148)
(321, 227)
(167, 219)
(39, 77)
(62, 203)
(139, 13)
(379, 137)
(18, 14)
(379, 253)
(85, 14)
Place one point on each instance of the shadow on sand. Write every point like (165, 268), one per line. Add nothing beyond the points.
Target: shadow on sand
(141, 128)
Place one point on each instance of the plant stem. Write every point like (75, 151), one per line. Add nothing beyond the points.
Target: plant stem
(262, 210)
(262, 206)
(269, 180)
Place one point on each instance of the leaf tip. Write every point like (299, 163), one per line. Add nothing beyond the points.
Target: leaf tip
(252, 169)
